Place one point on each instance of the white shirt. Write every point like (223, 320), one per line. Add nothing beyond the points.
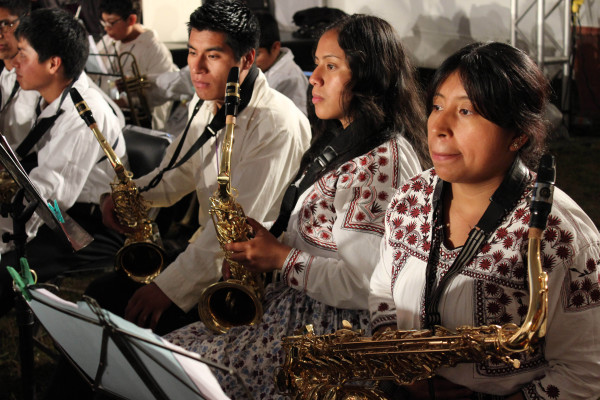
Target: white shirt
(152, 57)
(492, 289)
(334, 261)
(270, 137)
(286, 77)
(68, 155)
(18, 116)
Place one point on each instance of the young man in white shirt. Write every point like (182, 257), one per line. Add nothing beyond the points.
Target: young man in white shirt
(277, 63)
(125, 34)
(71, 166)
(17, 106)
(271, 134)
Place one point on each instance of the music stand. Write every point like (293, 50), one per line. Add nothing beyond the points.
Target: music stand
(126, 361)
(21, 211)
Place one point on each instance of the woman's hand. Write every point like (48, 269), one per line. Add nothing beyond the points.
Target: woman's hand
(262, 253)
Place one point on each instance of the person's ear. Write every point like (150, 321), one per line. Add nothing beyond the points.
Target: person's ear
(248, 59)
(131, 20)
(518, 142)
(54, 64)
(275, 47)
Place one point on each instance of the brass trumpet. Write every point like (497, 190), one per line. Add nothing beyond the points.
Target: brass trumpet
(324, 367)
(134, 87)
(141, 257)
(236, 301)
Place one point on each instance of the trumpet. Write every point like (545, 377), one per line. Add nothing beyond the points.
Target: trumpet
(324, 367)
(141, 257)
(134, 87)
(236, 301)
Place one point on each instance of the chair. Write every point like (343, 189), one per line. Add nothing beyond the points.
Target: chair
(145, 148)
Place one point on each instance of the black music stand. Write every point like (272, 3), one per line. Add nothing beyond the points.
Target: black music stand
(26, 201)
(127, 362)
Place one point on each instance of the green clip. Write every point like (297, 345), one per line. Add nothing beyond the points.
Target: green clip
(56, 211)
(25, 279)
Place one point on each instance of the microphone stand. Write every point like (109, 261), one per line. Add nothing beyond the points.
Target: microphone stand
(20, 214)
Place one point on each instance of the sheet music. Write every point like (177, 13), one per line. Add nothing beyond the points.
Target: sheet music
(75, 329)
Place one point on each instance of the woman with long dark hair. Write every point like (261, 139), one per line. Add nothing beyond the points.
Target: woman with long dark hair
(456, 242)
(370, 138)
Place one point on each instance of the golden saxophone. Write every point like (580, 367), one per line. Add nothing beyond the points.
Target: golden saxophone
(327, 366)
(141, 258)
(238, 300)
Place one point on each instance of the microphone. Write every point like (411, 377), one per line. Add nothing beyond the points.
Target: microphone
(232, 92)
(541, 201)
(86, 114)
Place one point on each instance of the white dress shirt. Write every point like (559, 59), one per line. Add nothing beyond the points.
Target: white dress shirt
(270, 137)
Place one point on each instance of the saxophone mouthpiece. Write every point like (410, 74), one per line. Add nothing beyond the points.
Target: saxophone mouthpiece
(541, 201)
(82, 107)
(232, 92)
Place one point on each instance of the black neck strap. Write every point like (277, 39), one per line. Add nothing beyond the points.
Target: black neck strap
(216, 124)
(337, 146)
(13, 92)
(502, 201)
(42, 126)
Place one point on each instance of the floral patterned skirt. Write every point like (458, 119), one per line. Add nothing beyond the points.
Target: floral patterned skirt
(255, 351)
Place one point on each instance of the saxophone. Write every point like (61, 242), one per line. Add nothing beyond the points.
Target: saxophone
(238, 300)
(141, 258)
(329, 366)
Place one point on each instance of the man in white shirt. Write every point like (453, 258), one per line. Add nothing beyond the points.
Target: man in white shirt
(17, 106)
(71, 166)
(124, 34)
(277, 62)
(270, 137)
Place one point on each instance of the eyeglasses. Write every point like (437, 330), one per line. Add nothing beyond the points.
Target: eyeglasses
(7, 26)
(110, 24)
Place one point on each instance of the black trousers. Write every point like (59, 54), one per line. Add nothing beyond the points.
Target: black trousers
(50, 256)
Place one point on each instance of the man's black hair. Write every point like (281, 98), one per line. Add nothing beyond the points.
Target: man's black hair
(16, 7)
(231, 17)
(269, 31)
(122, 8)
(54, 32)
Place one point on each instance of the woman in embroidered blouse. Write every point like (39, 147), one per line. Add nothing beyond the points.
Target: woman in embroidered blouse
(363, 89)
(486, 106)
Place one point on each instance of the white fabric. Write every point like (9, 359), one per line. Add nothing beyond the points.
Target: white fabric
(152, 57)
(68, 169)
(17, 117)
(338, 270)
(286, 77)
(270, 138)
(492, 289)
(171, 85)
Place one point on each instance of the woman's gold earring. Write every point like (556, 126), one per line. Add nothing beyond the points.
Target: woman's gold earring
(515, 145)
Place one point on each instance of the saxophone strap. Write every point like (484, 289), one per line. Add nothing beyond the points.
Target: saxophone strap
(216, 124)
(338, 145)
(502, 201)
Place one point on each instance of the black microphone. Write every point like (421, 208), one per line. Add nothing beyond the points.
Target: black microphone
(232, 92)
(541, 201)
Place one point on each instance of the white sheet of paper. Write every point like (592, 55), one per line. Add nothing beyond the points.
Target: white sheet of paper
(82, 340)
